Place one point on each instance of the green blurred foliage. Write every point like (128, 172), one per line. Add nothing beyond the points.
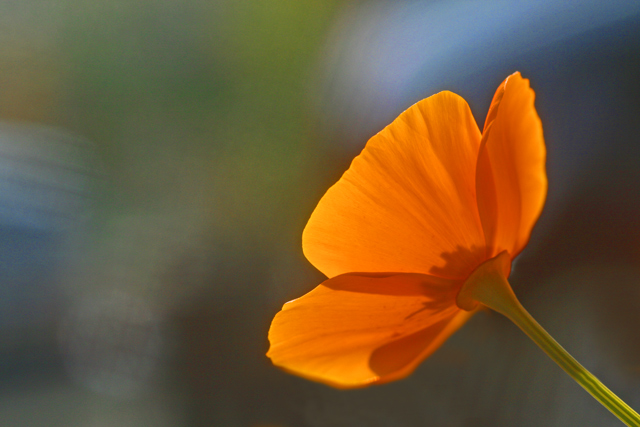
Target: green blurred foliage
(209, 99)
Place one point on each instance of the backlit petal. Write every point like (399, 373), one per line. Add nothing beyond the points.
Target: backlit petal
(407, 203)
(357, 329)
(511, 177)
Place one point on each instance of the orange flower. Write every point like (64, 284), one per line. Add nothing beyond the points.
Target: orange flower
(428, 200)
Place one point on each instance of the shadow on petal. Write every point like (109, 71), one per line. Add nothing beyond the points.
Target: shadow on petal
(454, 261)
(396, 356)
(357, 329)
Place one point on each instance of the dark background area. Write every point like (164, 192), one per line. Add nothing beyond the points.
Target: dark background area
(159, 160)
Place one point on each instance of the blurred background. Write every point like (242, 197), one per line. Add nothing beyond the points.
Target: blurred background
(159, 160)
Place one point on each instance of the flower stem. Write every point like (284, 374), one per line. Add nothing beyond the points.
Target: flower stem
(488, 285)
(579, 373)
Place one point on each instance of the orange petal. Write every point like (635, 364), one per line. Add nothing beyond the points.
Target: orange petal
(357, 329)
(511, 179)
(407, 203)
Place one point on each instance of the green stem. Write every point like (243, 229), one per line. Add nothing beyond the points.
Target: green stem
(586, 379)
(489, 286)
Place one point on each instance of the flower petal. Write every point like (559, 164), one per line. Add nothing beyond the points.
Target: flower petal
(357, 329)
(407, 203)
(511, 180)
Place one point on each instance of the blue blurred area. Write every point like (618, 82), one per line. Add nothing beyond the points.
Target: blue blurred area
(158, 162)
(44, 191)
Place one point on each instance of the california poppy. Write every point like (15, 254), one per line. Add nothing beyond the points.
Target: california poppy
(427, 201)
(419, 230)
